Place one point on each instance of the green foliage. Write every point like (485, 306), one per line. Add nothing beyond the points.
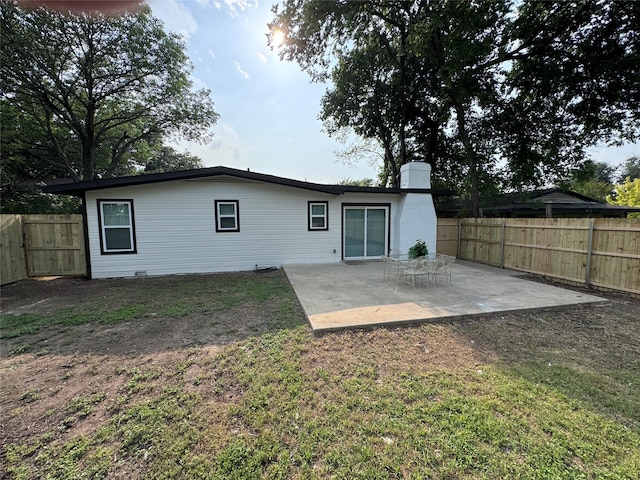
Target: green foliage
(290, 418)
(593, 180)
(97, 94)
(23, 324)
(30, 396)
(242, 459)
(166, 159)
(34, 201)
(419, 249)
(365, 182)
(630, 168)
(464, 85)
(627, 194)
(593, 189)
(83, 405)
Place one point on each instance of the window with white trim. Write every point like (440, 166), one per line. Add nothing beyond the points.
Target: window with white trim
(318, 215)
(117, 231)
(227, 216)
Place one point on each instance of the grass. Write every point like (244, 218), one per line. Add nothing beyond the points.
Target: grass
(153, 297)
(488, 423)
(523, 398)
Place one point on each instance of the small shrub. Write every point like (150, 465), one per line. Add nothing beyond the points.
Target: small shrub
(419, 249)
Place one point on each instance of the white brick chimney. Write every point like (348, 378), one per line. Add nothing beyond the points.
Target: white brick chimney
(416, 215)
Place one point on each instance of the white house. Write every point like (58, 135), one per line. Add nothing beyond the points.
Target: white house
(221, 219)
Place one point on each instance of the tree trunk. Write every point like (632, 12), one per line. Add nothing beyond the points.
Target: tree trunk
(88, 157)
(471, 156)
(432, 139)
(89, 137)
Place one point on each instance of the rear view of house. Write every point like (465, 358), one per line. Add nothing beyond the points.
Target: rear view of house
(221, 219)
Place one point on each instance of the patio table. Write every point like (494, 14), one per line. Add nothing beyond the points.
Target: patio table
(410, 270)
(418, 268)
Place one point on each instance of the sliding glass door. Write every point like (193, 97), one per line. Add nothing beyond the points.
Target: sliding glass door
(365, 231)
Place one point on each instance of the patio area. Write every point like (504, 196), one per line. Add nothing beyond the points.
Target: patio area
(355, 295)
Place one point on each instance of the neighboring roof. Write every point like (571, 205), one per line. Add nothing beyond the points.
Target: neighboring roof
(44, 182)
(79, 188)
(549, 195)
(536, 201)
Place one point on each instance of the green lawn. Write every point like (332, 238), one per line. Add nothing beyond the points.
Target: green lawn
(525, 396)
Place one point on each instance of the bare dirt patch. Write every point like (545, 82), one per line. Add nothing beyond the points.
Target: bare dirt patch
(152, 333)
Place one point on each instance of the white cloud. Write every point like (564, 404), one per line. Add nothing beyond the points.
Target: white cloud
(225, 149)
(262, 57)
(242, 72)
(175, 15)
(228, 131)
(213, 55)
(237, 6)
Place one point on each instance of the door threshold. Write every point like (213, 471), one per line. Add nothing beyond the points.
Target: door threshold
(361, 262)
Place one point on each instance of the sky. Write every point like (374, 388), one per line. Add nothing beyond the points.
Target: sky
(268, 107)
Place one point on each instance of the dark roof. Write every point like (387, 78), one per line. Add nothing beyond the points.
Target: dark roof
(43, 182)
(79, 188)
(536, 201)
(539, 196)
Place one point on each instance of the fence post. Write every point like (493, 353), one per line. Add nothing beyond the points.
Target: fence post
(587, 273)
(502, 246)
(25, 244)
(459, 235)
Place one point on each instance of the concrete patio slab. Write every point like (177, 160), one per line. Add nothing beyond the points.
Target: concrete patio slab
(338, 296)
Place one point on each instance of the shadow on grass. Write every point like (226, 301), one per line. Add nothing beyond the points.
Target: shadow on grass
(590, 354)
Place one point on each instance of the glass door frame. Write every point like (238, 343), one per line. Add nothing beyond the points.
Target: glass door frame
(364, 206)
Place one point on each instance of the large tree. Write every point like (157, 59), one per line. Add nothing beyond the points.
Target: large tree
(470, 86)
(594, 180)
(630, 168)
(573, 83)
(94, 91)
(167, 159)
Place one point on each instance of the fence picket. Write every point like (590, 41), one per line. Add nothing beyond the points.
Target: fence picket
(559, 248)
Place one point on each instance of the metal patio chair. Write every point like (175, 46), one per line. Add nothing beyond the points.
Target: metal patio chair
(441, 266)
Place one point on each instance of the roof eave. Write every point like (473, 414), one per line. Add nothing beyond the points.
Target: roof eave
(80, 187)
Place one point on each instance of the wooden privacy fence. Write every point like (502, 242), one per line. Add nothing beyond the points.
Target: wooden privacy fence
(39, 245)
(601, 252)
(12, 260)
